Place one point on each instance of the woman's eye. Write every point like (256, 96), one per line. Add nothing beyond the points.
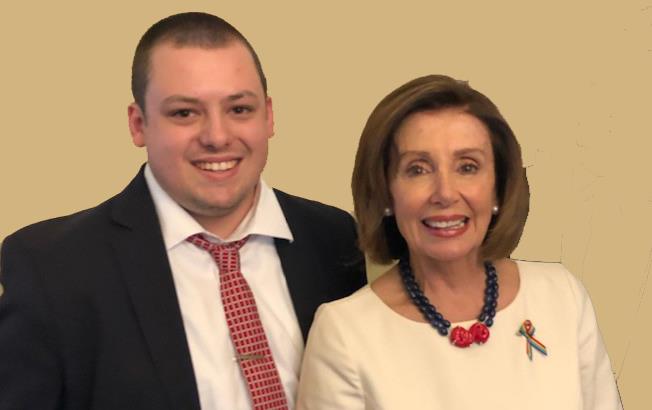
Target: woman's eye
(469, 168)
(414, 170)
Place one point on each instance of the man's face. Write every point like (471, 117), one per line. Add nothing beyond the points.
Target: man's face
(206, 128)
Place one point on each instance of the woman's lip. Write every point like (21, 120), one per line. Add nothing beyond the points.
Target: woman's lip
(447, 231)
(444, 218)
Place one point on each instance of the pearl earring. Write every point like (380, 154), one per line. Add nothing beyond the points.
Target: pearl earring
(494, 210)
(388, 212)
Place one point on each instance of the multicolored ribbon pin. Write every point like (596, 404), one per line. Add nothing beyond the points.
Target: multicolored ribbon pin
(527, 330)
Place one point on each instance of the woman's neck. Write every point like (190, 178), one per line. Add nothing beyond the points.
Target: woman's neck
(457, 276)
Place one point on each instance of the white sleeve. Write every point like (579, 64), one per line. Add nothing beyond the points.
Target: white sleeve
(329, 378)
(599, 391)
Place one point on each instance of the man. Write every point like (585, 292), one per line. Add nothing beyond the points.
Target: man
(114, 307)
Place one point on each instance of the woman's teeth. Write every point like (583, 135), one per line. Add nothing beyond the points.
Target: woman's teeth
(457, 223)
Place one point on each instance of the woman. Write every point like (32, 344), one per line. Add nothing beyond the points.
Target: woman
(439, 184)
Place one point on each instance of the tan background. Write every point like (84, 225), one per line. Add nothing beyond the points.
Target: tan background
(572, 77)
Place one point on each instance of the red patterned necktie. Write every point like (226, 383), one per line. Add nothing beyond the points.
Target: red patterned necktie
(247, 333)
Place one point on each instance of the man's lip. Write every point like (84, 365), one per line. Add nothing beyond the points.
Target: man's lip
(217, 159)
(221, 167)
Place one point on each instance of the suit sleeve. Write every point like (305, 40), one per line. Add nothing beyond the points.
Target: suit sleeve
(599, 390)
(354, 261)
(30, 376)
(329, 378)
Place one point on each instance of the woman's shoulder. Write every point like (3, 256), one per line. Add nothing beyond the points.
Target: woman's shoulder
(359, 301)
(352, 317)
(535, 271)
(540, 267)
(550, 277)
(360, 296)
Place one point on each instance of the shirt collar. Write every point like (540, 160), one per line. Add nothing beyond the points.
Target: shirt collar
(265, 218)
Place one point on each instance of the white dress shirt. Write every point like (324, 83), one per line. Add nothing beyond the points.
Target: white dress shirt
(197, 282)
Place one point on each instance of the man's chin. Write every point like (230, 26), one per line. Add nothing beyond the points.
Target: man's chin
(220, 206)
(213, 209)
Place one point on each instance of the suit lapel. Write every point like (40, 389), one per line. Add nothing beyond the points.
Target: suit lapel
(300, 263)
(143, 260)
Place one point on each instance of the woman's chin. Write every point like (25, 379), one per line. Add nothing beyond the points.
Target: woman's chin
(447, 254)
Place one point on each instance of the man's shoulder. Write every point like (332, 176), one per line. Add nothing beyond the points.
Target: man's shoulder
(76, 227)
(82, 227)
(296, 206)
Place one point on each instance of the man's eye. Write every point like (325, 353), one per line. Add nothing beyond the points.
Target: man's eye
(183, 113)
(242, 109)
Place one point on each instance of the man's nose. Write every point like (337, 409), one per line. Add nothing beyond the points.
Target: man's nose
(215, 131)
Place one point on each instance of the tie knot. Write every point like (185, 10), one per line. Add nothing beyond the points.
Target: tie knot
(226, 255)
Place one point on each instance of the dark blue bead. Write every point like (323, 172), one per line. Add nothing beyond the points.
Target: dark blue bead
(430, 313)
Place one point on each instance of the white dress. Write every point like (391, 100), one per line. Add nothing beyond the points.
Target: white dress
(362, 355)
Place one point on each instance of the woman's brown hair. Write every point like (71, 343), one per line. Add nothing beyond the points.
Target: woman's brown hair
(378, 234)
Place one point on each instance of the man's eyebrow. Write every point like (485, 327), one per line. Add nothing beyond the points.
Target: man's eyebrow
(180, 98)
(193, 100)
(241, 94)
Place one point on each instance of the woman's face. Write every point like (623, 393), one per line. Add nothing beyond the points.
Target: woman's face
(443, 184)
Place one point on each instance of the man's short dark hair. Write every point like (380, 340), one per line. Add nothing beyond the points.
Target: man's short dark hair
(192, 29)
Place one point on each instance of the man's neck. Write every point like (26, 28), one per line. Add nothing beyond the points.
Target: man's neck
(223, 226)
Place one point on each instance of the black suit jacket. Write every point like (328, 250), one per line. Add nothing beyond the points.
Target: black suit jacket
(89, 318)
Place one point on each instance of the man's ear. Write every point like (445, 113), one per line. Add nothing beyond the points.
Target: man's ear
(137, 122)
(270, 116)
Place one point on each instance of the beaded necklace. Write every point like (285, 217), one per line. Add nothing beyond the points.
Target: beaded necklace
(460, 337)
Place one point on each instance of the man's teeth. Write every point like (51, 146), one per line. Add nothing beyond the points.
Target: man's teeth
(458, 223)
(217, 166)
